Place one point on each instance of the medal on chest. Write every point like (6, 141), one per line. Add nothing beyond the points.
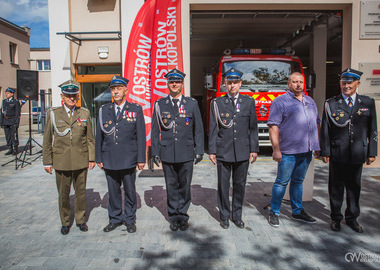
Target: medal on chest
(81, 121)
(182, 111)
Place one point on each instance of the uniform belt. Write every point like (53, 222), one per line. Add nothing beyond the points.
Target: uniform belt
(9, 117)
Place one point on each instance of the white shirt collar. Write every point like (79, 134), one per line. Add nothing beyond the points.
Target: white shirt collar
(121, 106)
(346, 98)
(179, 98)
(236, 97)
(68, 110)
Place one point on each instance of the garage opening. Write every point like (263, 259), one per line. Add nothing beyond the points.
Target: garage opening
(212, 32)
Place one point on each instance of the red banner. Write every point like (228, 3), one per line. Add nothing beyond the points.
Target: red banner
(154, 48)
(167, 45)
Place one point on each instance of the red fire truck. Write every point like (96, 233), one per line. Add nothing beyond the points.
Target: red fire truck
(265, 77)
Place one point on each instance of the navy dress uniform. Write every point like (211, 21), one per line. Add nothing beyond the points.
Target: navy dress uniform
(10, 120)
(69, 148)
(177, 138)
(233, 135)
(348, 139)
(120, 145)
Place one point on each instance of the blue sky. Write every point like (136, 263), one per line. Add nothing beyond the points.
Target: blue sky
(31, 13)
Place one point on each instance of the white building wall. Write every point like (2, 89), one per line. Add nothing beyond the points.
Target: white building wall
(59, 46)
(128, 10)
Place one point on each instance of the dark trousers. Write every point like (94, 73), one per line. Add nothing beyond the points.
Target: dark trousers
(178, 180)
(64, 180)
(11, 135)
(341, 177)
(239, 179)
(115, 178)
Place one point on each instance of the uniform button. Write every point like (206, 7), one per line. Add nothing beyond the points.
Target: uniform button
(117, 130)
(116, 143)
(117, 124)
(352, 141)
(176, 118)
(117, 136)
(234, 130)
(175, 139)
(234, 138)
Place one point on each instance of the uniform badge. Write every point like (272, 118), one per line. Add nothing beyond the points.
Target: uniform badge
(79, 124)
(334, 114)
(165, 121)
(337, 118)
(227, 114)
(105, 125)
(124, 117)
(359, 112)
(224, 121)
(341, 114)
(168, 115)
(110, 122)
(187, 121)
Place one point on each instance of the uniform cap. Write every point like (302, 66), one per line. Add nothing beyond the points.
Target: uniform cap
(10, 90)
(118, 81)
(69, 87)
(349, 75)
(175, 75)
(233, 74)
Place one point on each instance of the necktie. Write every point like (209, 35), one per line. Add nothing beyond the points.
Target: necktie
(233, 102)
(71, 115)
(350, 101)
(118, 112)
(175, 105)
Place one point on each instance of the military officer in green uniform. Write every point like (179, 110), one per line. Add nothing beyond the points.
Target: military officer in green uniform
(69, 148)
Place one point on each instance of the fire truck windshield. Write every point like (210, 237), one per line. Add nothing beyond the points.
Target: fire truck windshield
(262, 76)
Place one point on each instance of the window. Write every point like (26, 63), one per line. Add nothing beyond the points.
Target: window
(43, 65)
(13, 53)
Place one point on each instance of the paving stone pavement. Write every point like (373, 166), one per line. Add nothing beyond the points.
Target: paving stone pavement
(30, 235)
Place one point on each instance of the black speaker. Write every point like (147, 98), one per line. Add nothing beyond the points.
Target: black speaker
(27, 84)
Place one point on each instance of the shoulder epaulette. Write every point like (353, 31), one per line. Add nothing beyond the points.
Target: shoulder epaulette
(85, 109)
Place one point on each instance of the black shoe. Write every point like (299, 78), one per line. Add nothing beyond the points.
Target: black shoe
(355, 226)
(174, 226)
(225, 224)
(83, 227)
(273, 220)
(65, 230)
(303, 216)
(239, 223)
(184, 225)
(111, 226)
(131, 228)
(10, 152)
(335, 226)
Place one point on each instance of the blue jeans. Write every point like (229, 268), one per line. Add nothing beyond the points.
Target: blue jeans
(293, 168)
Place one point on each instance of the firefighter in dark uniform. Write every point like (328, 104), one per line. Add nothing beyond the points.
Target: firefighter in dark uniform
(10, 120)
(348, 139)
(119, 148)
(177, 141)
(233, 141)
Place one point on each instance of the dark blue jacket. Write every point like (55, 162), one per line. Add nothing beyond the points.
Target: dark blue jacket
(125, 147)
(233, 144)
(355, 142)
(185, 139)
